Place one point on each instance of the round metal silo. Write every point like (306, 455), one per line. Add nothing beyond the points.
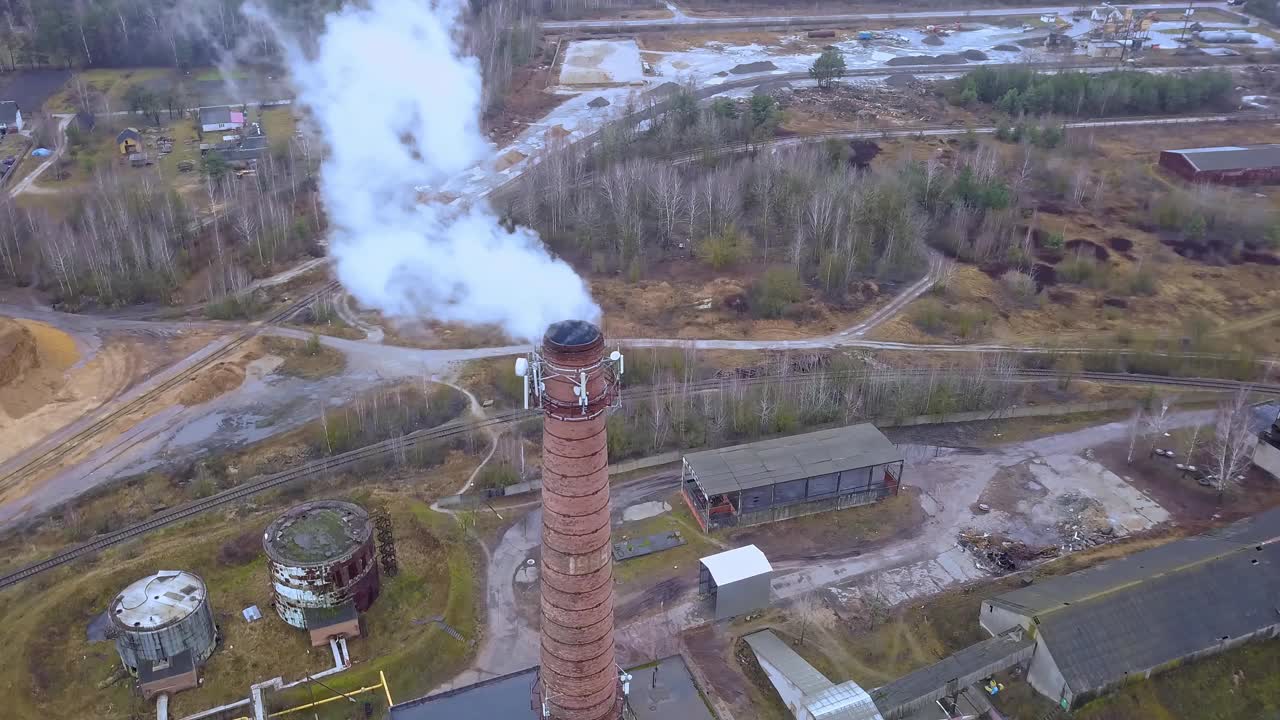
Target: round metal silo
(162, 616)
(322, 556)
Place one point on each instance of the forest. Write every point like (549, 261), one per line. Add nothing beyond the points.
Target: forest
(1076, 94)
(121, 243)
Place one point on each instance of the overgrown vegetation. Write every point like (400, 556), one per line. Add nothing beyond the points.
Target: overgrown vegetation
(1214, 223)
(621, 210)
(1016, 91)
(786, 404)
(385, 414)
(121, 242)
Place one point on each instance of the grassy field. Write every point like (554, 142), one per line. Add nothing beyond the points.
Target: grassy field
(305, 359)
(682, 561)
(59, 671)
(110, 83)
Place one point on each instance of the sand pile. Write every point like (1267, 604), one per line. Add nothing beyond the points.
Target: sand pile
(221, 378)
(17, 351)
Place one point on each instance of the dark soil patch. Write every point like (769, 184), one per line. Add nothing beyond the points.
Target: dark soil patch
(1032, 42)
(838, 534)
(1120, 244)
(947, 59)
(1080, 246)
(1051, 208)
(932, 40)
(1006, 47)
(974, 55)
(1062, 297)
(753, 67)
(1185, 500)
(598, 102)
(1115, 302)
(1044, 275)
(1260, 258)
(862, 152)
(900, 80)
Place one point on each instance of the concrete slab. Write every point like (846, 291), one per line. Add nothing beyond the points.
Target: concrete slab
(602, 62)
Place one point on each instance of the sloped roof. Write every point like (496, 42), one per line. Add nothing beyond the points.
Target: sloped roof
(129, 134)
(963, 663)
(215, 115)
(1150, 608)
(1232, 157)
(769, 647)
(758, 464)
(737, 564)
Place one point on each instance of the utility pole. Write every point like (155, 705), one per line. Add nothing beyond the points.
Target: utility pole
(1186, 20)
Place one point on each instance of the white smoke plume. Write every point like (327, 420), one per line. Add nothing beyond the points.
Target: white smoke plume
(399, 106)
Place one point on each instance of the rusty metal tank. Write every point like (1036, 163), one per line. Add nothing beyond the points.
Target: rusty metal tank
(161, 617)
(578, 669)
(321, 556)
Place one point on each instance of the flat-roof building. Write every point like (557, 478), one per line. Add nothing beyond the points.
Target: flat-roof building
(1135, 616)
(791, 476)
(1226, 165)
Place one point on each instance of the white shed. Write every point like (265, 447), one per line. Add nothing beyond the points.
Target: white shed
(737, 581)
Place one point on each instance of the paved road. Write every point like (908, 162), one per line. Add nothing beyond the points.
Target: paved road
(681, 21)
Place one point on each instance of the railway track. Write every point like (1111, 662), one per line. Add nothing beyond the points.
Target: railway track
(51, 456)
(381, 450)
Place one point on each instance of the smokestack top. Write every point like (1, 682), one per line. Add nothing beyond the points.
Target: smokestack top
(572, 336)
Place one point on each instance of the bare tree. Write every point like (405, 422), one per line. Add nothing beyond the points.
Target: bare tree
(1158, 420)
(1135, 429)
(1232, 443)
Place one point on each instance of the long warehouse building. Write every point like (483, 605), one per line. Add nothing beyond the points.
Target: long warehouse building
(791, 476)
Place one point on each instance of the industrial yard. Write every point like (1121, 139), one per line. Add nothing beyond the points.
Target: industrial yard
(679, 360)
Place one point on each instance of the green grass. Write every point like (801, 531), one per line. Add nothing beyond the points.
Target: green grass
(311, 361)
(213, 74)
(55, 671)
(111, 83)
(1241, 684)
(649, 569)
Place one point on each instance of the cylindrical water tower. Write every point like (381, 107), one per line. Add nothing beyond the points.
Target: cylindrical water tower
(160, 617)
(324, 566)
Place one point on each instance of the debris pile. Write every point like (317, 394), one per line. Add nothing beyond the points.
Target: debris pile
(998, 554)
(1086, 523)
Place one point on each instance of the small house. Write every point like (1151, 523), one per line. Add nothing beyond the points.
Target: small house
(129, 141)
(10, 117)
(737, 581)
(220, 119)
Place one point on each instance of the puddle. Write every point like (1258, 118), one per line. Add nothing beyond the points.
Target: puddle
(645, 510)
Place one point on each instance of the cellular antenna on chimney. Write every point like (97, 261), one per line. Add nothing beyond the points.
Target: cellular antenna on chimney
(536, 370)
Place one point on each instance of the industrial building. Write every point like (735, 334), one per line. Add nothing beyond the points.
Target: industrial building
(164, 630)
(664, 690)
(736, 581)
(1266, 454)
(1133, 617)
(1227, 165)
(324, 568)
(791, 476)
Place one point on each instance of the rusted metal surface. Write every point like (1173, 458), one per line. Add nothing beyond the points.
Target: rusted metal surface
(162, 616)
(321, 556)
(578, 672)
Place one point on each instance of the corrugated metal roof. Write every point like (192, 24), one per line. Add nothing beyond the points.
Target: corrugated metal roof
(770, 648)
(1232, 157)
(754, 465)
(961, 664)
(1133, 570)
(1147, 609)
(737, 564)
(1101, 642)
(157, 600)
